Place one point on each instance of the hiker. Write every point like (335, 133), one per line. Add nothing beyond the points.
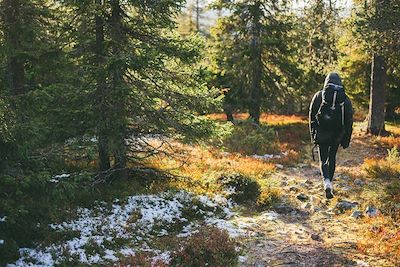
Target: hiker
(331, 125)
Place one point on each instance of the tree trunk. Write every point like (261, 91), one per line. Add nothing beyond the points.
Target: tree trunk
(101, 105)
(119, 89)
(376, 116)
(12, 34)
(229, 114)
(257, 67)
(197, 16)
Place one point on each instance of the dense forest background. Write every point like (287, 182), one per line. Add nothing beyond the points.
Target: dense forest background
(116, 70)
(98, 87)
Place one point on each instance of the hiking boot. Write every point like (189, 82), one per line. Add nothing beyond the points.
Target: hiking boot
(328, 189)
(329, 193)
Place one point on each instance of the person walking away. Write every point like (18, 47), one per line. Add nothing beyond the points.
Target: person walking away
(331, 125)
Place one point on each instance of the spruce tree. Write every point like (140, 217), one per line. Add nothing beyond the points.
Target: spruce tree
(252, 54)
(143, 78)
(378, 25)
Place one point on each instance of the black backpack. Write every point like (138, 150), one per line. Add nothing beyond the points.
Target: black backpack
(330, 115)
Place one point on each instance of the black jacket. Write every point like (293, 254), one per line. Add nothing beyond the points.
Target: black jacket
(342, 136)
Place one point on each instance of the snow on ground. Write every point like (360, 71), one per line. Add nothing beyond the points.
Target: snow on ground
(267, 157)
(110, 230)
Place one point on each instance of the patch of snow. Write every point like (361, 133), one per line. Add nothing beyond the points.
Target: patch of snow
(270, 215)
(3, 219)
(163, 232)
(207, 201)
(362, 263)
(222, 224)
(279, 166)
(128, 252)
(135, 221)
(110, 255)
(163, 257)
(1, 242)
(242, 259)
(43, 259)
(266, 156)
(57, 178)
(189, 230)
(270, 156)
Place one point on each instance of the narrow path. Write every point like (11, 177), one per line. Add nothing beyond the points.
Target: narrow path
(306, 229)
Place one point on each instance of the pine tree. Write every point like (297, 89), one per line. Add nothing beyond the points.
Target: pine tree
(101, 91)
(252, 55)
(13, 15)
(317, 35)
(28, 56)
(138, 70)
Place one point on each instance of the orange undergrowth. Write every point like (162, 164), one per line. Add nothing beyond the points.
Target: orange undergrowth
(271, 119)
(291, 157)
(382, 237)
(383, 233)
(197, 161)
(393, 140)
(202, 166)
(388, 141)
(381, 168)
(293, 137)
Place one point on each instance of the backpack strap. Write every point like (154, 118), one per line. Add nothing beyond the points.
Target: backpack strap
(334, 99)
(342, 106)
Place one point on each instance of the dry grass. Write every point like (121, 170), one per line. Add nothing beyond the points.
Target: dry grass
(382, 234)
(197, 161)
(270, 119)
(392, 140)
(382, 237)
(291, 135)
(381, 168)
(388, 141)
(198, 169)
(201, 166)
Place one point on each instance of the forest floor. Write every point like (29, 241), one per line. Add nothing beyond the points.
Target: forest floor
(308, 229)
(144, 222)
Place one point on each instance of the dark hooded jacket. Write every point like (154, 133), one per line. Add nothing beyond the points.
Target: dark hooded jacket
(341, 136)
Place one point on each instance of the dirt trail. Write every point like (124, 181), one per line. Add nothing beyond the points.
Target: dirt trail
(305, 229)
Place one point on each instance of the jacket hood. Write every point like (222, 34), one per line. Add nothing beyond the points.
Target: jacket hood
(333, 78)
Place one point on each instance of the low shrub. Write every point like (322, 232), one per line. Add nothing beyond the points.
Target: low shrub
(240, 188)
(267, 197)
(382, 168)
(142, 259)
(388, 170)
(210, 247)
(382, 237)
(248, 138)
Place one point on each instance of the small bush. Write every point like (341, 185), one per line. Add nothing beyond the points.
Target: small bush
(382, 169)
(209, 247)
(142, 259)
(241, 189)
(267, 197)
(388, 170)
(382, 237)
(393, 155)
(248, 139)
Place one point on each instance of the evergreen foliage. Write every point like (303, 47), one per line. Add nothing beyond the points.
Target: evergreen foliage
(100, 68)
(374, 27)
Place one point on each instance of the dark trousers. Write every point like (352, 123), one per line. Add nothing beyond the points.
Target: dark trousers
(327, 159)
